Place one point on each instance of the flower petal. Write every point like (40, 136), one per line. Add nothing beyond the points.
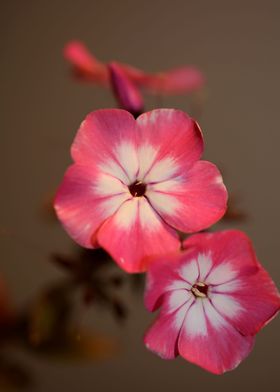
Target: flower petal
(174, 81)
(209, 341)
(85, 199)
(231, 252)
(162, 336)
(134, 233)
(175, 139)
(86, 66)
(193, 202)
(165, 274)
(255, 295)
(107, 139)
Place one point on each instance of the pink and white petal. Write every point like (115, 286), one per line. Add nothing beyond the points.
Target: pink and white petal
(166, 273)
(208, 340)
(193, 202)
(231, 252)
(175, 299)
(227, 306)
(136, 233)
(126, 92)
(162, 170)
(107, 139)
(174, 81)
(257, 302)
(188, 270)
(162, 337)
(85, 199)
(172, 137)
(205, 264)
(86, 65)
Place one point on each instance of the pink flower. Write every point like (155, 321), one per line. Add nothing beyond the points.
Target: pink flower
(133, 182)
(214, 298)
(175, 81)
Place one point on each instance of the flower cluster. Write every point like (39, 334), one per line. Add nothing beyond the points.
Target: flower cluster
(134, 185)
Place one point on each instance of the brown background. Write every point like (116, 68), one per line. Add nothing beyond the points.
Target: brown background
(236, 44)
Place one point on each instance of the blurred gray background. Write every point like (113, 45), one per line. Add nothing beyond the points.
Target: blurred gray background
(236, 45)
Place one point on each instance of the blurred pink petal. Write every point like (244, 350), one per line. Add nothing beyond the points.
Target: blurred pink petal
(86, 66)
(214, 297)
(175, 81)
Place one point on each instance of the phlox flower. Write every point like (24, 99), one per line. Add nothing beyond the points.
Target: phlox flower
(133, 182)
(214, 297)
(174, 81)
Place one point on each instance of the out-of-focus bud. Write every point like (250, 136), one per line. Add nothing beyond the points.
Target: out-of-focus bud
(125, 91)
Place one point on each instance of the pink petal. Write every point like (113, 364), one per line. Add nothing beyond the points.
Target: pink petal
(85, 199)
(85, 64)
(164, 275)
(208, 340)
(126, 92)
(255, 295)
(162, 336)
(231, 245)
(175, 138)
(134, 233)
(192, 202)
(175, 81)
(107, 139)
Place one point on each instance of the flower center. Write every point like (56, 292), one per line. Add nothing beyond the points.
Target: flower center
(138, 188)
(200, 290)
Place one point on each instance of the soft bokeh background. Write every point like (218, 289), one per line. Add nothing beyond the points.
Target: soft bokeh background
(236, 45)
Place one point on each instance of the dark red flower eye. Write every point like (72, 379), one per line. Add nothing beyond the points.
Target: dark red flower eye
(138, 188)
(200, 290)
